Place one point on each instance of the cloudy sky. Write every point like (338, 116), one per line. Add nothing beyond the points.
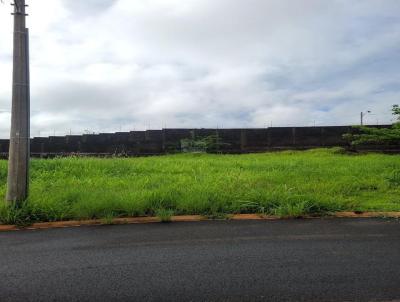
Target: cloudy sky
(111, 65)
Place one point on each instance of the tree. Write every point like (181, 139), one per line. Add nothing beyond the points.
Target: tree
(396, 112)
(378, 136)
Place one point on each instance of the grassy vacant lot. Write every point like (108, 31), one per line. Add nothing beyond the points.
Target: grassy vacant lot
(286, 183)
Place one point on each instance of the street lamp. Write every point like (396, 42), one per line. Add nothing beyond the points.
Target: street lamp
(363, 114)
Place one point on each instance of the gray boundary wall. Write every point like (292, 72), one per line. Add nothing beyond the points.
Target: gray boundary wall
(155, 142)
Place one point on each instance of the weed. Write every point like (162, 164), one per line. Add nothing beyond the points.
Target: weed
(251, 207)
(165, 215)
(14, 215)
(108, 218)
(292, 184)
(394, 178)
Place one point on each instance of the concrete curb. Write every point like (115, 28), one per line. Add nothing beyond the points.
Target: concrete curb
(187, 218)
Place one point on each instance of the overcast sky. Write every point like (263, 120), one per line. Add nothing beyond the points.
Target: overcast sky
(111, 65)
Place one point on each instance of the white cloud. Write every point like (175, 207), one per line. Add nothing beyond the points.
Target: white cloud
(112, 64)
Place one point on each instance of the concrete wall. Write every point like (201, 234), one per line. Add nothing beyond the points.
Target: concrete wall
(154, 142)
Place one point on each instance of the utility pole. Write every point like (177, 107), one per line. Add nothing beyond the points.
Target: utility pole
(19, 152)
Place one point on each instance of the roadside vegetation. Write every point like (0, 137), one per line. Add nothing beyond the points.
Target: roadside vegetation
(285, 184)
(378, 136)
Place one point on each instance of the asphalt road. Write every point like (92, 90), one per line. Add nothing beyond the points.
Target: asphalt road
(294, 260)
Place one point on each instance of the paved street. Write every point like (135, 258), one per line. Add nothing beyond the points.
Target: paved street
(294, 260)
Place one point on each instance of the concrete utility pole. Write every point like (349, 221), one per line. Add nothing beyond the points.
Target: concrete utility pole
(19, 153)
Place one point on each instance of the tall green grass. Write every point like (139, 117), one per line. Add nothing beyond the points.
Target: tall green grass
(285, 183)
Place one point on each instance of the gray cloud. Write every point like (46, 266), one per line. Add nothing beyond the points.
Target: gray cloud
(111, 65)
(88, 7)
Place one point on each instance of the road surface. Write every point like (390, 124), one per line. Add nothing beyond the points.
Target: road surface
(292, 260)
